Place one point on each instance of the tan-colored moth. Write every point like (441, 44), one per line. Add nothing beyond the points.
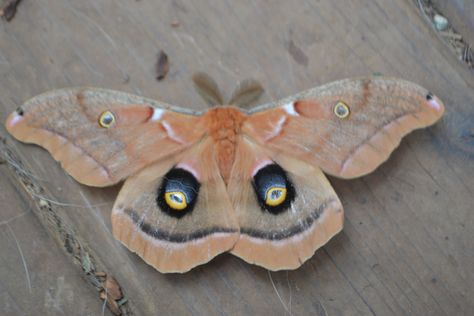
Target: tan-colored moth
(226, 180)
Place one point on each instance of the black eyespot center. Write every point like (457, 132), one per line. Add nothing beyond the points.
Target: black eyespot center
(429, 96)
(181, 187)
(273, 177)
(20, 111)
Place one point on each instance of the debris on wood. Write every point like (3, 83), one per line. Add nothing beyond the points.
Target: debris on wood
(59, 227)
(297, 54)
(445, 30)
(103, 295)
(112, 294)
(440, 22)
(124, 300)
(2, 159)
(126, 79)
(87, 265)
(451, 35)
(95, 282)
(113, 288)
(114, 307)
(467, 55)
(8, 9)
(162, 66)
(101, 274)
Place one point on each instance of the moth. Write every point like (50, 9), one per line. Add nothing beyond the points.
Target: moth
(248, 182)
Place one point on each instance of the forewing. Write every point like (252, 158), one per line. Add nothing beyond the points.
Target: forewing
(347, 127)
(68, 124)
(171, 239)
(286, 235)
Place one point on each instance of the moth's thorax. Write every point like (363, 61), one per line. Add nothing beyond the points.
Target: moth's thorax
(223, 126)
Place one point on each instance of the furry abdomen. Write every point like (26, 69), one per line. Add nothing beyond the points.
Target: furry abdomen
(223, 126)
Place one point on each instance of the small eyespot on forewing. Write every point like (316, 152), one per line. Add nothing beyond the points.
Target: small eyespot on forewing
(106, 119)
(341, 110)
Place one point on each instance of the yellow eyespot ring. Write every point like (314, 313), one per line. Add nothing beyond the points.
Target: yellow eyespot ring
(106, 119)
(275, 196)
(176, 200)
(341, 110)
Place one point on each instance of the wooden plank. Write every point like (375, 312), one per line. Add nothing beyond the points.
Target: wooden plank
(407, 243)
(35, 276)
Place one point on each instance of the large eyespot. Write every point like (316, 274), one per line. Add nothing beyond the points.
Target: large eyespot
(273, 189)
(178, 192)
(341, 110)
(106, 119)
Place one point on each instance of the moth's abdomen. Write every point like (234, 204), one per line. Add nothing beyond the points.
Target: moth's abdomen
(224, 127)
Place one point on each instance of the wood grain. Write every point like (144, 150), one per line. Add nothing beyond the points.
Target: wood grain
(406, 247)
(460, 14)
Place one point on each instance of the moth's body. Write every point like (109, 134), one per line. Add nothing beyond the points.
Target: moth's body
(224, 127)
(250, 183)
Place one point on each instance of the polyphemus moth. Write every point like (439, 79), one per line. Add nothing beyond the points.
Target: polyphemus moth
(248, 182)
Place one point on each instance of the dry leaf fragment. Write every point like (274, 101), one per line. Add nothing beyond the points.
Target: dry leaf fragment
(100, 274)
(103, 295)
(112, 288)
(8, 9)
(162, 66)
(114, 307)
(111, 303)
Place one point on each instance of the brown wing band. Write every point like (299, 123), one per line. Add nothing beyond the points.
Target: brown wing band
(303, 226)
(158, 233)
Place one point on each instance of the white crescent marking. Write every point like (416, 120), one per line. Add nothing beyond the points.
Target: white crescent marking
(277, 128)
(171, 133)
(290, 109)
(157, 114)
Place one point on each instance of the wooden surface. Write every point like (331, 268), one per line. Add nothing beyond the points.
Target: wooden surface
(460, 13)
(407, 247)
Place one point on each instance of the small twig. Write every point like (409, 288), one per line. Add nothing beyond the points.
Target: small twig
(105, 303)
(422, 9)
(289, 287)
(277, 293)
(22, 257)
(67, 204)
(451, 35)
(6, 222)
